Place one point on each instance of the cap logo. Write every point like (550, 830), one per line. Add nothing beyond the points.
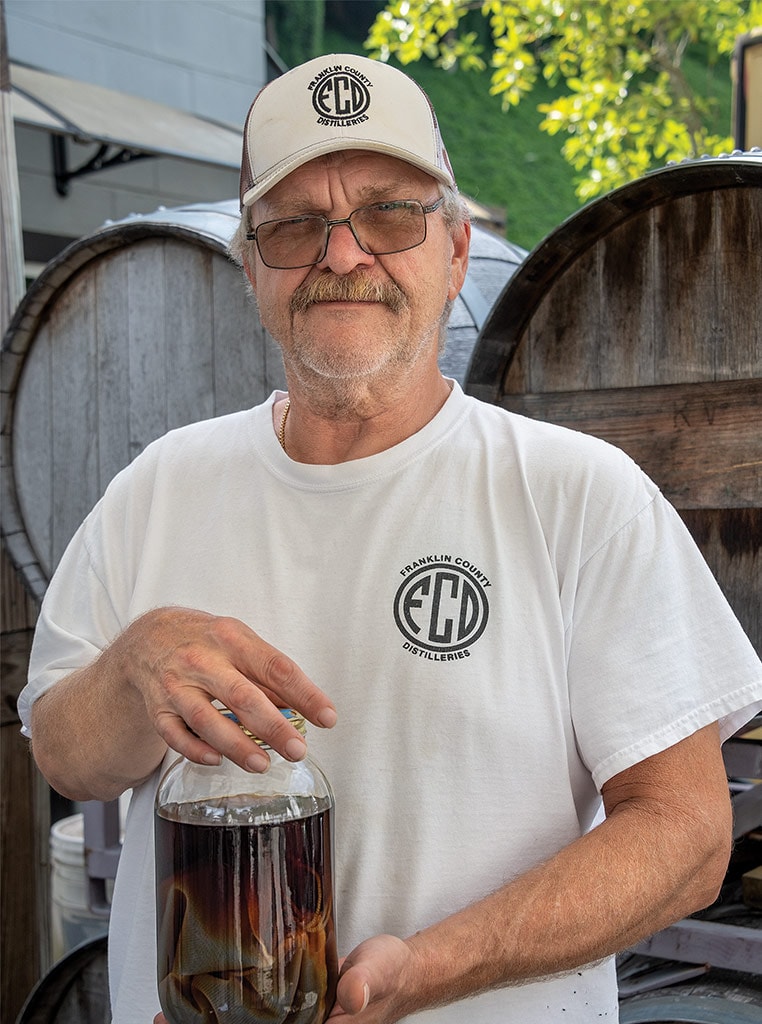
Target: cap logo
(340, 96)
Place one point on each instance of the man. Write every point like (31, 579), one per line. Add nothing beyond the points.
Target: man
(496, 625)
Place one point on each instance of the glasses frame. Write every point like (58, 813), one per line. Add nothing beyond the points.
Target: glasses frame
(331, 224)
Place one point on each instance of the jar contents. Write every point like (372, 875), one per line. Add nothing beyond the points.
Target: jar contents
(245, 913)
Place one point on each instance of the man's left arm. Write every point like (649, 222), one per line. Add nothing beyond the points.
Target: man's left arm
(660, 855)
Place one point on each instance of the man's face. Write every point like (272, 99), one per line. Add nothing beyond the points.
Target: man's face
(365, 335)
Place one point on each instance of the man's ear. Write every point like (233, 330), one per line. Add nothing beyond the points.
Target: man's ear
(459, 264)
(248, 268)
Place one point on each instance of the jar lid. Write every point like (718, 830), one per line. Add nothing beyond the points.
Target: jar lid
(292, 716)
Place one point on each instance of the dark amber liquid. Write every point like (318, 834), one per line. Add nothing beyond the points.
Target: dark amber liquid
(245, 922)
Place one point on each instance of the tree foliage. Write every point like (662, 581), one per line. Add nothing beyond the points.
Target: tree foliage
(627, 103)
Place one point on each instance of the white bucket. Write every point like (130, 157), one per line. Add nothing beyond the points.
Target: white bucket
(71, 922)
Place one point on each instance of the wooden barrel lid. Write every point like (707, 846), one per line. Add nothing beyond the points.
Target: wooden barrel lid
(145, 326)
(640, 320)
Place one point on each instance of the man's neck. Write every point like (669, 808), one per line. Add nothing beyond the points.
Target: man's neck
(354, 423)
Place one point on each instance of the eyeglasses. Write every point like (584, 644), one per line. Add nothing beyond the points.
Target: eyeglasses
(379, 229)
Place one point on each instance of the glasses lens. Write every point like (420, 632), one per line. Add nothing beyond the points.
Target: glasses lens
(288, 244)
(390, 227)
(380, 229)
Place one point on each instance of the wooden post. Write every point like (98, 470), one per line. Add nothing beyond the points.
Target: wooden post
(24, 798)
(12, 247)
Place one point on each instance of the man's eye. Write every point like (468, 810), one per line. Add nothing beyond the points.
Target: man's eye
(294, 226)
(391, 207)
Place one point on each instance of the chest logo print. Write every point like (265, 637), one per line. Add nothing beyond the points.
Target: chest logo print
(441, 607)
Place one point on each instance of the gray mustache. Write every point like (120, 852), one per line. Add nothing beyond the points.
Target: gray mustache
(350, 288)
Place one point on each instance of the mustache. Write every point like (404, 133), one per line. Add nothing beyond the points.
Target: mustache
(348, 288)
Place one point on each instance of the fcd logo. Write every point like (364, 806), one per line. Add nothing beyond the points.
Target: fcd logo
(441, 607)
(340, 96)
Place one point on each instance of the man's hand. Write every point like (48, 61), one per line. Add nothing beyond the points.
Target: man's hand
(376, 982)
(106, 727)
(181, 659)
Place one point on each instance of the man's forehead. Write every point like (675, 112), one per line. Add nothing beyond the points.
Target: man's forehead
(369, 175)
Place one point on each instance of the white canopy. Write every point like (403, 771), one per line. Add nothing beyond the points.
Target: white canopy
(92, 113)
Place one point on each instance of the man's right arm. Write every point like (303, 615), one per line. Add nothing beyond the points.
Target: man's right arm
(107, 726)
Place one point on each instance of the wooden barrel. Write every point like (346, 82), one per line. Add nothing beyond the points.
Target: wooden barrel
(74, 991)
(640, 320)
(139, 328)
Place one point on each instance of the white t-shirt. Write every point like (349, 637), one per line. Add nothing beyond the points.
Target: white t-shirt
(505, 613)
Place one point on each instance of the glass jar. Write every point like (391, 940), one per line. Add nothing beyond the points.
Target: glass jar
(244, 892)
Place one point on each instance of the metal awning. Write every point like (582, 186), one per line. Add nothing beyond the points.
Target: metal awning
(93, 114)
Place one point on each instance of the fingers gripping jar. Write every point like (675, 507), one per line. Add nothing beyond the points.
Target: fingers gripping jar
(244, 892)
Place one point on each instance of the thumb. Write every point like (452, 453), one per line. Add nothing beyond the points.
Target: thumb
(353, 990)
(371, 973)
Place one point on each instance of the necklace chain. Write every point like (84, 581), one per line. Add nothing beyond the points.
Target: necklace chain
(282, 427)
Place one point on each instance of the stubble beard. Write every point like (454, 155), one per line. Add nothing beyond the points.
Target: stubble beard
(342, 374)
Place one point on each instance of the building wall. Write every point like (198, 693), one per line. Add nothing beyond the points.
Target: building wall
(205, 57)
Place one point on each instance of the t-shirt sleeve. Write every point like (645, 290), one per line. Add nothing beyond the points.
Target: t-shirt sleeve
(76, 622)
(656, 652)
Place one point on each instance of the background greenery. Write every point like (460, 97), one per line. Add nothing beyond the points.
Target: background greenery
(500, 159)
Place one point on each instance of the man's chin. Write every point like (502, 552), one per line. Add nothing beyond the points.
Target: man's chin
(342, 359)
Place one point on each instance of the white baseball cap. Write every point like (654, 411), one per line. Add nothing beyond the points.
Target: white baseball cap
(335, 102)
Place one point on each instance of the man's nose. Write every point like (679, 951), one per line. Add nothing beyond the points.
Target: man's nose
(343, 252)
